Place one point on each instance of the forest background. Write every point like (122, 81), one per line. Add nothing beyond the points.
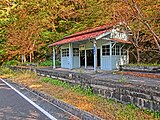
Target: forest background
(27, 27)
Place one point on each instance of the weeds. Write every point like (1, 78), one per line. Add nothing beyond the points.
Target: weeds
(6, 72)
(55, 82)
(12, 62)
(122, 80)
(50, 63)
(76, 88)
(152, 113)
(81, 70)
(114, 73)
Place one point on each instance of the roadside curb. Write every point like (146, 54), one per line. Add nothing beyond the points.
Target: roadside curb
(81, 114)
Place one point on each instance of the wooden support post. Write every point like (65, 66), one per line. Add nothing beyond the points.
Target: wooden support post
(127, 56)
(70, 56)
(110, 56)
(85, 64)
(54, 58)
(95, 56)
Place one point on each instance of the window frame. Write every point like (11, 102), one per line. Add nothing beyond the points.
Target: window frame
(105, 50)
(117, 50)
(75, 51)
(65, 52)
(113, 49)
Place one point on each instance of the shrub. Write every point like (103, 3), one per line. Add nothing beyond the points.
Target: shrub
(58, 63)
(12, 62)
(46, 63)
(5, 70)
(50, 63)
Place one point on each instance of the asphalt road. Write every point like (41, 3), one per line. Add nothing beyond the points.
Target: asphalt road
(14, 105)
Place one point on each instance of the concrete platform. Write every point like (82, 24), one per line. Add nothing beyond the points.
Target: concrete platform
(113, 76)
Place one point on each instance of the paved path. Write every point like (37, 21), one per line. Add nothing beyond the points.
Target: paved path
(13, 106)
(128, 79)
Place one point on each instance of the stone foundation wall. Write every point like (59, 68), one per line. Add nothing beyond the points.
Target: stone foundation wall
(146, 97)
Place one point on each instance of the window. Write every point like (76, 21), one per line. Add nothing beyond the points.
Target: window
(117, 50)
(106, 50)
(75, 51)
(65, 52)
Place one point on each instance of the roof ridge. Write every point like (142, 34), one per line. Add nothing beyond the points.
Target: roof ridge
(89, 31)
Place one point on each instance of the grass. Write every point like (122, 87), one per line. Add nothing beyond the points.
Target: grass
(12, 62)
(122, 80)
(6, 72)
(50, 63)
(76, 88)
(77, 96)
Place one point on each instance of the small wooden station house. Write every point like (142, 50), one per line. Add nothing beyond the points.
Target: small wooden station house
(102, 48)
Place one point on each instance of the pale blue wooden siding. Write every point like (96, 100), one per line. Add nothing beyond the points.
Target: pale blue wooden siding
(65, 62)
(65, 59)
(105, 63)
(105, 59)
(76, 59)
(76, 62)
(115, 61)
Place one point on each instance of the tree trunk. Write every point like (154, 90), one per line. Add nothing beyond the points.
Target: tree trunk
(24, 58)
(138, 56)
(30, 56)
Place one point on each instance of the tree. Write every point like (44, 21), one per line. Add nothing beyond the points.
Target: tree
(31, 25)
(141, 19)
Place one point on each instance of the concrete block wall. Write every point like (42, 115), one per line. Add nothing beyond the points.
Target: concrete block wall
(145, 97)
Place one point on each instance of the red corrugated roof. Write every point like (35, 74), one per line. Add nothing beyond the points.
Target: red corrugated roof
(99, 28)
(84, 35)
(79, 38)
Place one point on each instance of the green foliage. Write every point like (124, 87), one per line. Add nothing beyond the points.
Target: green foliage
(5, 70)
(55, 82)
(12, 62)
(47, 35)
(87, 91)
(28, 64)
(129, 112)
(153, 113)
(76, 88)
(122, 80)
(51, 20)
(58, 63)
(47, 63)
(50, 63)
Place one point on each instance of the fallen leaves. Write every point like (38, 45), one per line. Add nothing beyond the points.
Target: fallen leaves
(147, 75)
